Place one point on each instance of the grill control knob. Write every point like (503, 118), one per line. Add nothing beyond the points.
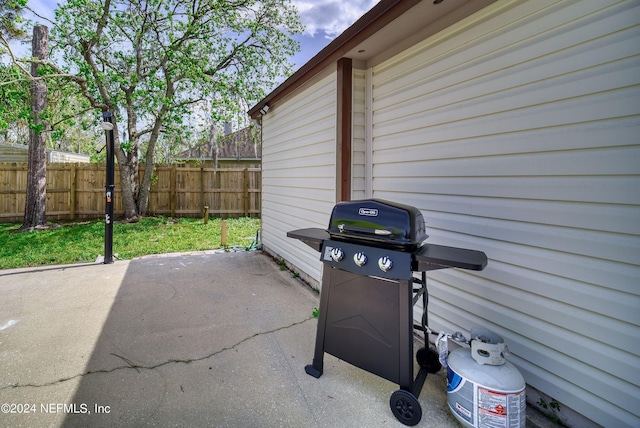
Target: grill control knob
(385, 264)
(337, 254)
(360, 259)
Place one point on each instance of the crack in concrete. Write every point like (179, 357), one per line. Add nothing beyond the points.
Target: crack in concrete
(136, 367)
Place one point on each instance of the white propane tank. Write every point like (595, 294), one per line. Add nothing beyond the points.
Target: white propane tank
(483, 396)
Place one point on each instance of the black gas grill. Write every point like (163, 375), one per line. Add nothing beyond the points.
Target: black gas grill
(378, 223)
(371, 251)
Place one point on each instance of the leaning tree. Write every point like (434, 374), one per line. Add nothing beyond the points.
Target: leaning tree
(36, 196)
(10, 28)
(151, 62)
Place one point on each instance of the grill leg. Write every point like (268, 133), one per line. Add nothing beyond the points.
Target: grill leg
(419, 382)
(405, 334)
(316, 368)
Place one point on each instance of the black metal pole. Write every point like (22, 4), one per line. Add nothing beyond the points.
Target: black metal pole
(110, 186)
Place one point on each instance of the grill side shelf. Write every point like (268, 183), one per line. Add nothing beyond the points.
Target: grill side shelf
(313, 236)
(434, 257)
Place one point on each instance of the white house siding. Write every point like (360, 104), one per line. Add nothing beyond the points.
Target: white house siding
(298, 171)
(516, 131)
(358, 143)
(18, 153)
(67, 157)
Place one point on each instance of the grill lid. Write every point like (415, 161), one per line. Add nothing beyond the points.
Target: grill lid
(379, 223)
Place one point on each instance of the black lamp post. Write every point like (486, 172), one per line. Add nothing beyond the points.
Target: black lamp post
(107, 125)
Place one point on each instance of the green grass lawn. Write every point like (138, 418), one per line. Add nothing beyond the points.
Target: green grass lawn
(83, 241)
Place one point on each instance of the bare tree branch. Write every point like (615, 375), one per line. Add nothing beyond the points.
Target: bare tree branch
(14, 60)
(78, 114)
(40, 16)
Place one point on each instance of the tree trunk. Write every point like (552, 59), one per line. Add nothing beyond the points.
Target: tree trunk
(145, 186)
(128, 176)
(35, 206)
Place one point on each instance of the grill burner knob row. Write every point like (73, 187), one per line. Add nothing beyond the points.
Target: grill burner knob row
(385, 264)
(337, 254)
(360, 259)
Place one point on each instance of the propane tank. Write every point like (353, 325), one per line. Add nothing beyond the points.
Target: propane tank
(483, 389)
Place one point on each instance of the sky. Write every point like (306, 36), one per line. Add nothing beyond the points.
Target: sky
(324, 20)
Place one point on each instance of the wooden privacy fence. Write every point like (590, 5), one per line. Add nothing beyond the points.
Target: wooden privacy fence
(77, 191)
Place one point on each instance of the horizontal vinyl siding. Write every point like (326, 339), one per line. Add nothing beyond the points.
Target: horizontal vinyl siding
(298, 172)
(358, 144)
(516, 132)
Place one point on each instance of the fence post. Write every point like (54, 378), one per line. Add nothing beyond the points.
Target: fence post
(245, 196)
(201, 190)
(217, 185)
(173, 194)
(72, 192)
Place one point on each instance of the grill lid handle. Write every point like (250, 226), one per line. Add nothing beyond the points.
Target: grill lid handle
(381, 232)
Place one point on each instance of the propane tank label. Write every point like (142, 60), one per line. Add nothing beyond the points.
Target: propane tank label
(480, 407)
(499, 409)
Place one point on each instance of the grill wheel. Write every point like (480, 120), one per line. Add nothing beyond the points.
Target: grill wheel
(429, 359)
(405, 407)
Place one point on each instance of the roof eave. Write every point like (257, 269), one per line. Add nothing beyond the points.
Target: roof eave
(379, 16)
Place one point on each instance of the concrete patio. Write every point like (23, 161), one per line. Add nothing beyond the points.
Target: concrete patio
(199, 339)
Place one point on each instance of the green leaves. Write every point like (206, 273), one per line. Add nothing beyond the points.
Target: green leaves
(126, 146)
(154, 56)
(155, 63)
(65, 118)
(14, 94)
(10, 18)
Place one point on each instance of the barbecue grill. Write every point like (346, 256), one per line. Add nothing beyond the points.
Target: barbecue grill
(371, 250)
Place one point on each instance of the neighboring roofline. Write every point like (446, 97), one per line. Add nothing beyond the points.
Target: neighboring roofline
(378, 17)
(24, 147)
